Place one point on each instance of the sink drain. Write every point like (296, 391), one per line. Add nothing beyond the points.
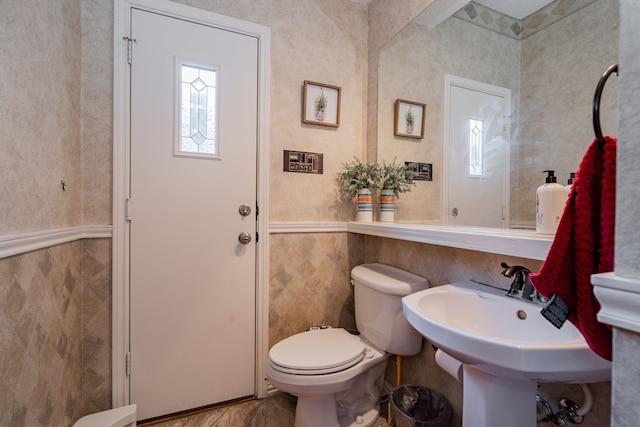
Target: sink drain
(522, 314)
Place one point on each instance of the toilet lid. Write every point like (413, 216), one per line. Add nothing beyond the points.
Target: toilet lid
(319, 351)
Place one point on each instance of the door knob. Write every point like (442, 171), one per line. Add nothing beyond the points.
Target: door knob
(244, 210)
(244, 237)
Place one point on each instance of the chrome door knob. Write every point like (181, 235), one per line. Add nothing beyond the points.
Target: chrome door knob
(244, 210)
(244, 237)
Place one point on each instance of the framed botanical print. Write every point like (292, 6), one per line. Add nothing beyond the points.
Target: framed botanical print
(409, 119)
(321, 104)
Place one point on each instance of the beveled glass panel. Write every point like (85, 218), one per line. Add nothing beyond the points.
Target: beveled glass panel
(198, 110)
(476, 147)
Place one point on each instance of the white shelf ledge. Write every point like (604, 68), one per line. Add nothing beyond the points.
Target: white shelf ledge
(504, 241)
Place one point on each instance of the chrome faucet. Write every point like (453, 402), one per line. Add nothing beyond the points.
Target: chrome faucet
(521, 286)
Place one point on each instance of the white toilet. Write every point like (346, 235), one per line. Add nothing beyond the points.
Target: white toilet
(338, 376)
(124, 416)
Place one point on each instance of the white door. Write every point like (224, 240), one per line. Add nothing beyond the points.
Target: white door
(477, 133)
(193, 165)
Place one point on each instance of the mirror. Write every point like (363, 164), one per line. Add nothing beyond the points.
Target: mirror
(550, 61)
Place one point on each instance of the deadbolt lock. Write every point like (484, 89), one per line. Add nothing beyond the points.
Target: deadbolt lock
(244, 210)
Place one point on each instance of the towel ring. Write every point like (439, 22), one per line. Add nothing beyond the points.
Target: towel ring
(596, 102)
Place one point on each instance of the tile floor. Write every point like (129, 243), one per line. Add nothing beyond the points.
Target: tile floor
(274, 411)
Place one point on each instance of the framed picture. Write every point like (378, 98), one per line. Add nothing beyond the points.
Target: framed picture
(409, 119)
(321, 104)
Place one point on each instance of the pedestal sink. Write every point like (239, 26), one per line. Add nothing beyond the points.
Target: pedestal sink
(506, 348)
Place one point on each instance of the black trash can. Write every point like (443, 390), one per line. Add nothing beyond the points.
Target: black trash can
(417, 406)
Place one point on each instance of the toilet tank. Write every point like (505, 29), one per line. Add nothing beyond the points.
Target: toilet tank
(378, 292)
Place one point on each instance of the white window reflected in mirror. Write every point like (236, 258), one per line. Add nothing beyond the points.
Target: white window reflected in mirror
(476, 148)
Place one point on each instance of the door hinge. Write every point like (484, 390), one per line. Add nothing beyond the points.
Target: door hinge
(127, 209)
(130, 42)
(128, 363)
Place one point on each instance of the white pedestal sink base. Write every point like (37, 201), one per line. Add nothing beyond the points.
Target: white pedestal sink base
(490, 401)
(487, 331)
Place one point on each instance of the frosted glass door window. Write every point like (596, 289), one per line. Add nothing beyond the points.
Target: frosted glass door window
(476, 147)
(198, 111)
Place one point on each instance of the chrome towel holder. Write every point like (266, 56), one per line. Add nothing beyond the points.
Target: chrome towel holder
(596, 102)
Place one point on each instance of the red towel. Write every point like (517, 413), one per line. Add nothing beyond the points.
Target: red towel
(584, 244)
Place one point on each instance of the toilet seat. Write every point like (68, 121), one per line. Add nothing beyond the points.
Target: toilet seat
(315, 352)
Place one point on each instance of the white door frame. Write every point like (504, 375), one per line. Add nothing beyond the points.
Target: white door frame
(121, 178)
(451, 80)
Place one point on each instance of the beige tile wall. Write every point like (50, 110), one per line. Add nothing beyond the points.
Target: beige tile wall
(327, 47)
(443, 265)
(32, 390)
(96, 325)
(310, 281)
(41, 337)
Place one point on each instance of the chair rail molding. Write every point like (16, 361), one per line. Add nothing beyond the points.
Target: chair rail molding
(619, 299)
(16, 244)
(307, 227)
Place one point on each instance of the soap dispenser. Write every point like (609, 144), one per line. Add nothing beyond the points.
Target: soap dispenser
(550, 200)
(572, 176)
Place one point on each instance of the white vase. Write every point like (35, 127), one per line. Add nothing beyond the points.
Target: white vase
(365, 206)
(387, 206)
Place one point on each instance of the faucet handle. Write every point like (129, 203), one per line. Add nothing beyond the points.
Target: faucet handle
(521, 287)
(509, 271)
